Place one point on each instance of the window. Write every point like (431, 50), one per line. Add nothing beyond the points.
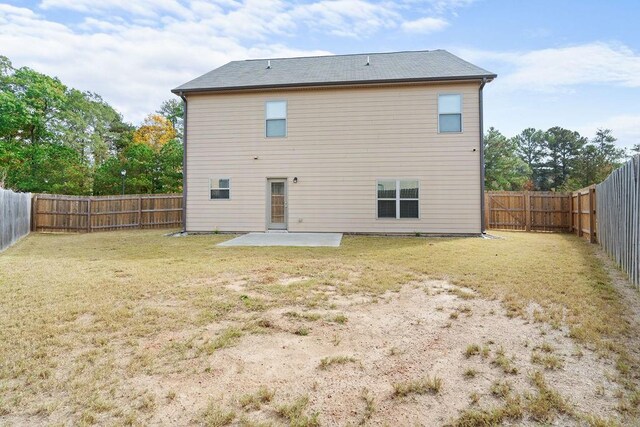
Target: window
(276, 119)
(398, 198)
(219, 188)
(449, 113)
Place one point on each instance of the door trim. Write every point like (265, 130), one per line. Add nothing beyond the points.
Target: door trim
(268, 223)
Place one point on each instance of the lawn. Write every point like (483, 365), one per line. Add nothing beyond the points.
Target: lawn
(136, 328)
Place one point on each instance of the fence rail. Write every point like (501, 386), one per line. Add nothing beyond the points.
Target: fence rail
(15, 216)
(618, 212)
(101, 213)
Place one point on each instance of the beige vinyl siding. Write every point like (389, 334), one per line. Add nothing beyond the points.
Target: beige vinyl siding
(339, 142)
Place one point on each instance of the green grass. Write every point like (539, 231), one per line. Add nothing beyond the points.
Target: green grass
(77, 309)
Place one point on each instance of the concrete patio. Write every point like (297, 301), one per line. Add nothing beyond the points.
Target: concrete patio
(286, 239)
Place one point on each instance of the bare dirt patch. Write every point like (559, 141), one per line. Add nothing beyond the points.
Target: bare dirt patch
(399, 337)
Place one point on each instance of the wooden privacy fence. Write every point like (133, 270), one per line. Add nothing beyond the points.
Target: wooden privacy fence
(15, 216)
(102, 213)
(618, 212)
(527, 210)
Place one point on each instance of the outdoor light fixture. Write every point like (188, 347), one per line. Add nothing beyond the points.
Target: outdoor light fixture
(295, 179)
(123, 173)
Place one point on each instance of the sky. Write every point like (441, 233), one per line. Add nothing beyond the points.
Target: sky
(569, 63)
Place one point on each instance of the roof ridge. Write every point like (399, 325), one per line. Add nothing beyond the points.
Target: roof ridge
(341, 54)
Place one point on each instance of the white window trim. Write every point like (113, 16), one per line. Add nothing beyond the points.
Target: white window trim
(211, 187)
(397, 198)
(461, 112)
(285, 118)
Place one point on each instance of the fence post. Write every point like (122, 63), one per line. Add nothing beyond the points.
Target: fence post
(570, 212)
(527, 210)
(487, 211)
(579, 216)
(140, 212)
(89, 215)
(34, 213)
(592, 215)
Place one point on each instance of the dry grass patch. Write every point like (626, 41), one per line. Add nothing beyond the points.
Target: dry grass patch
(215, 416)
(471, 350)
(95, 312)
(327, 362)
(548, 361)
(255, 401)
(431, 385)
(296, 413)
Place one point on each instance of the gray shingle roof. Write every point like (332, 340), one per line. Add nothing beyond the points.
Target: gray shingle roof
(339, 69)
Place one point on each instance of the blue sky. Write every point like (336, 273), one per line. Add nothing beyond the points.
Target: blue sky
(568, 63)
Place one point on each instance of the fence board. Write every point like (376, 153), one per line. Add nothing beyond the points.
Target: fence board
(86, 214)
(618, 217)
(15, 216)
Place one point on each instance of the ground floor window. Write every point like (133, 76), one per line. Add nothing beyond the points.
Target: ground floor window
(398, 198)
(219, 188)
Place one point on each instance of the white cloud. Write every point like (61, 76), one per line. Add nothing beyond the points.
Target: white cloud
(554, 68)
(137, 7)
(425, 25)
(133, 52)
(132, 66)
(626, 128)
(354, 18)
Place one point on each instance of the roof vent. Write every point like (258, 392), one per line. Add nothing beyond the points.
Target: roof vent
(268, 64)
(368, 60)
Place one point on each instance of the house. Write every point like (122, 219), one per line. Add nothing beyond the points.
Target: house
(366, 143)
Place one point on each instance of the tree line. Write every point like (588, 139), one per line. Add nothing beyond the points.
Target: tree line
(557, 159)
(57, 139)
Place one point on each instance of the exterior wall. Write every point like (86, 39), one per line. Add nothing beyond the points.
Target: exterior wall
(339, 142)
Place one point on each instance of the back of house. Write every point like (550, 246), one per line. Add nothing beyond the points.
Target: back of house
(367, 143)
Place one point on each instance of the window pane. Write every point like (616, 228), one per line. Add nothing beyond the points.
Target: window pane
(276, 110)
(386, 190)
(386, 208)
(277, 127)
(223, 183)
(219, 194)
(408, 189)
(449, 104)
(450, 123)
(408, 209)
(277, 188)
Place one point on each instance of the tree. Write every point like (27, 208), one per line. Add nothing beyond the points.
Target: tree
(34, 98)
(155, 132)
(597, 159)
(531, 149)
(43, 168)
(563, 147)
(148, 171)
(504, 170)
(58, 139)
(173, 110)
(90, 126)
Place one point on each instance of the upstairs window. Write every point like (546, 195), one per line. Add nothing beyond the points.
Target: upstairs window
(398, 199)
(219, 188)
(276, 119)
(449, 113)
